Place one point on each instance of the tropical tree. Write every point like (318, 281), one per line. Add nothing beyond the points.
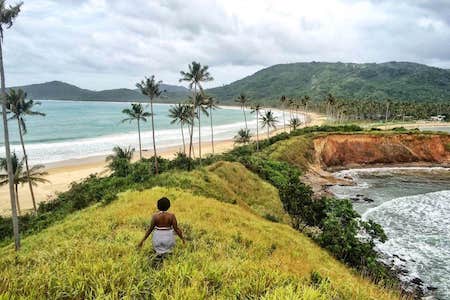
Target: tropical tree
(119, 160)
(283, 102)
(211, 104)
(294, 123)
(305, 101)
(150, 87)
(195, 76)
(7, 17)
(179, 113)
(388, 104)
(201, 109)
(330, 101)
(20, 107)
(138, 114)
(243, 101)
(243, 136)
(257, 109)
(33, 176)
(269, 120)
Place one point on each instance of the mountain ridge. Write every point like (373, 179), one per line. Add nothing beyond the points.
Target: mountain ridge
(397, 80)
(404, 81)
(59, 90)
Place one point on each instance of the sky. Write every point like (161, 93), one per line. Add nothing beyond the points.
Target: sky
(107, 44)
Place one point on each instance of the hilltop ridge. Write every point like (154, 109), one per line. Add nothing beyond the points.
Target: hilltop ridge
(404, 81)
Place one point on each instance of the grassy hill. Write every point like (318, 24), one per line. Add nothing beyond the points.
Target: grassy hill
(234, 250)
(396, 80)
(57, 90)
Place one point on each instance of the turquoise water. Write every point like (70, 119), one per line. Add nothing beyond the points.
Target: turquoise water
(76, 129)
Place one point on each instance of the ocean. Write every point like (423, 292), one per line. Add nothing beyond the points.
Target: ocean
(79, 129)
(413, 206)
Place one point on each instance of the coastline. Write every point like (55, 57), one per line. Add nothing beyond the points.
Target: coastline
(62, 173)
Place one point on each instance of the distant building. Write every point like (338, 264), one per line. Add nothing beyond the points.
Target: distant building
(438, 118)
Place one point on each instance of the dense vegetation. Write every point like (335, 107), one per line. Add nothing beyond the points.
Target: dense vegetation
(394, 80)
(230, 253)
(332, 223)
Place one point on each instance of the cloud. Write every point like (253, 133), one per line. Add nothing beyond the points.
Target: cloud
(103, 44)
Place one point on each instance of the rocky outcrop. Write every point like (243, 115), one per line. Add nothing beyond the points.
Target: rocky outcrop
(350, 150)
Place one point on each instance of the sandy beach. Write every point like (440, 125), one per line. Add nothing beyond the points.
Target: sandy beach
(62, 174)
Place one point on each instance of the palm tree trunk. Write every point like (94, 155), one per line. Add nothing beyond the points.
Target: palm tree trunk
(284, 119)
(25, 156)
(17, 198)
(191, 133)
(9, 166)
(199, 137)
(153, 134)
(182, 136)
(257, 130)
(268, 132)
(212, 130)
(140, 144)
(386, 115)
(245, 118)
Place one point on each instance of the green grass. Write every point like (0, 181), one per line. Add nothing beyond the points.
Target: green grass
(231, 253)
(297, 151)
(232, 183)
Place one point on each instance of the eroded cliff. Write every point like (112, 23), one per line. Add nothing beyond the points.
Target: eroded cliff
(347, 150)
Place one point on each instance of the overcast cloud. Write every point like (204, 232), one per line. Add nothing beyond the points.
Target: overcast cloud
(103, 44)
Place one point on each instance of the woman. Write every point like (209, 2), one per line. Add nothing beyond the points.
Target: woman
(164, 224)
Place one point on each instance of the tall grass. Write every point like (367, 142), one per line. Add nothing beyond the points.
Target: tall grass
(231, 254)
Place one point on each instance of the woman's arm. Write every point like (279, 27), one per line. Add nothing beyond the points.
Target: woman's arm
(177, 229)
(149, 231)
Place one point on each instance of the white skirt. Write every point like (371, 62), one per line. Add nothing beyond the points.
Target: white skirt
(163, 240)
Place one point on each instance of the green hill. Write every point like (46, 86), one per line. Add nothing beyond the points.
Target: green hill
(57, 90)
(232, 252)
(396, 80)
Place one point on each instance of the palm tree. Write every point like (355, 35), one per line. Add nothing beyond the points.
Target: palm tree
(180, 114)
(121, 153)
(33, 176)
(150, 87)
(120, 159)
(195, 76)
(200, 103)
(243, 100)
(256, 109)
(211, 104)
(388, 104)
(7, 17)
(269, 120)
(20, 107)
(283, 101)
(136, 113)
(305, 101)
(243, 136)
(331, 101)
(294, 123)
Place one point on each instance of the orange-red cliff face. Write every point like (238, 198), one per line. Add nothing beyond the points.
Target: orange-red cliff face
(341, 150)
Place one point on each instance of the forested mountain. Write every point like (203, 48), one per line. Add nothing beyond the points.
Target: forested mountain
(57, 90)
(402, 81)
(396, 80)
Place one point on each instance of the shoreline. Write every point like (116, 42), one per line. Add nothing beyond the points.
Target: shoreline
(62, 173)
